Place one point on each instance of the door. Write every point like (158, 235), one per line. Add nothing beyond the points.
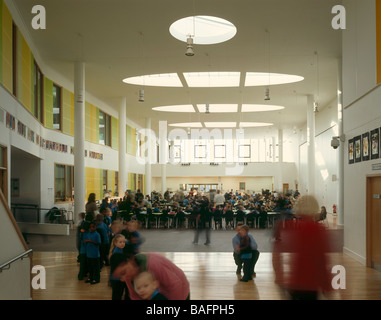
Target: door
(373, 223)
(285, 188)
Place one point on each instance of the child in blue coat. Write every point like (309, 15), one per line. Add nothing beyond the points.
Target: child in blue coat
(92, 239)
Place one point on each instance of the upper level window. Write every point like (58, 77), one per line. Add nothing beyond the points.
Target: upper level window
(38, 79)
(104, 128)
(56, 107)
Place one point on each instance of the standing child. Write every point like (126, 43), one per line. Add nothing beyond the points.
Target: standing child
(118, 287)
(83, 230)
(104, 248)
(147, 287)
(93, 241)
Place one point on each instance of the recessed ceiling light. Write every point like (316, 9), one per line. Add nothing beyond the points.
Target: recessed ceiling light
(175, 108)
(220, 124)
(160, 80)
(212, 79)
(263, 78)
(203, 29)
(218, 108)
(259, 107)
(254, 124)
(187, 125)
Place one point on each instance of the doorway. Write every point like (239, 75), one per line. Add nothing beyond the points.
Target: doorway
(285, 188)
(373, 222)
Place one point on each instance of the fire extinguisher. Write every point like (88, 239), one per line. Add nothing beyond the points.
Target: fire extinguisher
(334, 208)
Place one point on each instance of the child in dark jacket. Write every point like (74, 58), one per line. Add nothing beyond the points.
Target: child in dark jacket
(92, 239)
(245, 252)
(118, 287)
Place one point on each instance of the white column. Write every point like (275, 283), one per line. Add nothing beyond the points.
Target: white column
(340, 158)
(122, 176)
(311, 144)
(79, 140)
(163, 154)
(148, 176)
(280, 162)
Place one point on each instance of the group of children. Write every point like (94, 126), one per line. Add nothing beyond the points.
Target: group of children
(100, 238)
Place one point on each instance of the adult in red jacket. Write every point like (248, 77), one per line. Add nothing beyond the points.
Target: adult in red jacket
(172, 281)
(300, 252)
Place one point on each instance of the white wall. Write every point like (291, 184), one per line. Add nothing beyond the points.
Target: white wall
(362, 113)
(326, 158)
(252, 174)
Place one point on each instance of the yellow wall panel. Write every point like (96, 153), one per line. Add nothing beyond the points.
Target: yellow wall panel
(72, 113)
(6, 48)
(26, 82)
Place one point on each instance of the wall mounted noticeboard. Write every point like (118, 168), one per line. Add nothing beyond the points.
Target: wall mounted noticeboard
(357, 148)
(375, 143)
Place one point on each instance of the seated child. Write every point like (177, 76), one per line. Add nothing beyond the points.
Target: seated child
(147, 287)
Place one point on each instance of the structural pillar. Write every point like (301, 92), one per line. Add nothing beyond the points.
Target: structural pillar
(79, 140)
(311, 144)
(148, 175)
(280, 161)
(122, 175)
(340, 158)
(163, 154)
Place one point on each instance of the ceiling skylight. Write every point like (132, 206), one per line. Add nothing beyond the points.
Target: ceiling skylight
(212, 79)
(265, 78)
(176, 108)
(216, 108)
(259, 107)
(254, 124)
(159, 80)
(203, 29)
(186, 125)
(220, 124)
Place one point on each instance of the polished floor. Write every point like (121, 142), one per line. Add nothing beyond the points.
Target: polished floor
(211, 275)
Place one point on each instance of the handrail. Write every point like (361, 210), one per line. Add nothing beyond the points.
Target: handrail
(8, 263)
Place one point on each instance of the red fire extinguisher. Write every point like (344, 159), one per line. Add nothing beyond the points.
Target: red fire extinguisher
(334, 208)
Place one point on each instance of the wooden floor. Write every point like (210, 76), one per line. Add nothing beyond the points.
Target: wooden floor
(211, 275)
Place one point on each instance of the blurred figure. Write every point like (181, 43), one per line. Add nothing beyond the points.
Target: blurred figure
(299, 255)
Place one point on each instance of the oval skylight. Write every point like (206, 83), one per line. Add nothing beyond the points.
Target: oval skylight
(175, 108)
(186, 125)
(265, 78)
(260, 107)
(203, 29)
(254, 124)
(159, 80)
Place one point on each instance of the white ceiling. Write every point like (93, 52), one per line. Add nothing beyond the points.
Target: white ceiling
(124, 38)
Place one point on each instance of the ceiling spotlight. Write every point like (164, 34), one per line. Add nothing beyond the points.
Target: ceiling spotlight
(207, 108)
(189, 52)
(141, 95)
(267, 94)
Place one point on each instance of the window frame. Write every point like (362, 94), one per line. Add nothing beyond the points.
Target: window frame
(60, 106)
(65, 182)
(107, 129)
(38, 103)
